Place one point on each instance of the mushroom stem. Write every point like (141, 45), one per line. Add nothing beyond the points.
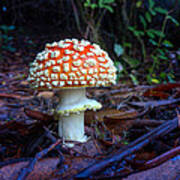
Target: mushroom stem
(70, 113)
(72, 127)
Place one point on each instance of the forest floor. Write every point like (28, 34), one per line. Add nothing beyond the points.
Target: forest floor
(134, 136)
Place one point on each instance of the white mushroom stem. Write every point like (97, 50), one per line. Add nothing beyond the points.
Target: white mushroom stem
(70, 113)
(72, 127)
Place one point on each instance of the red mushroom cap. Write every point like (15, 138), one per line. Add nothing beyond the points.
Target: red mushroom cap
(72, 63)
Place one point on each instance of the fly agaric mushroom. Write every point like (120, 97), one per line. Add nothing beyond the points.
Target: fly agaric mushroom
(70, 66)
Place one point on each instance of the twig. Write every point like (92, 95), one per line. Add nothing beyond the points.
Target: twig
(160, 159)
(49, 135)
(145, 122)
(35, 143)
(123, 89)
(153, 104)
(25, 171)
(132, 148)
(76, 16)
(148, 165)
(53, 139)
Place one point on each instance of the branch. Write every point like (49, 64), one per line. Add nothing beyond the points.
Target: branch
(25, 171)
(161, 159)
(131, 148)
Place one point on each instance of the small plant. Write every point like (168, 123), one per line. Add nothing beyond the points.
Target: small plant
(95, 12)
(5, 38)
(118, 49)
(103, 4)
(91, 13)
(152, 41)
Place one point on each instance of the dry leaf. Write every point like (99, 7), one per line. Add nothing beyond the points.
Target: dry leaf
(46, 94)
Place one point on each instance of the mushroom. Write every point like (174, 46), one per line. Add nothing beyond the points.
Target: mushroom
(70, 66)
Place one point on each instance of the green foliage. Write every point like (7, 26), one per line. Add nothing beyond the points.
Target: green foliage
(134, 79)
(104, 4)
(173, 20)
(5, 38)
(148, 36)
(132, 62)
(118, 49)
(142, 42)
(161, 10)
(92, 13)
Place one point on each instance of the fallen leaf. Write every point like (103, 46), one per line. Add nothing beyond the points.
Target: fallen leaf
(24, 83)
(38, 115)
(122, 115)
(46, 94)
(164, 87)
(161, 90)
(113, 124)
